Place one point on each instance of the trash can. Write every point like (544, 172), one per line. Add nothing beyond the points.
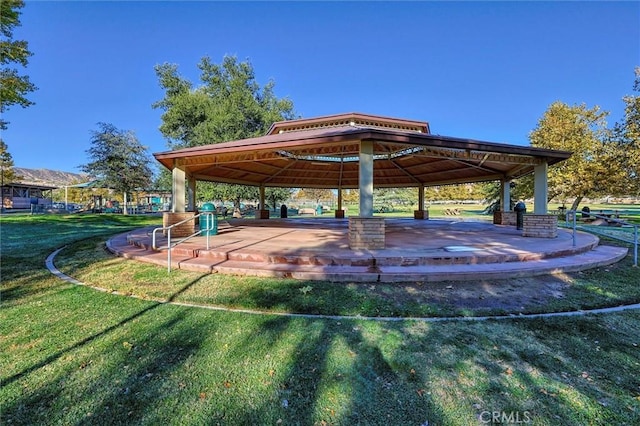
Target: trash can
(585, 212)
(283, 211)
(520, 209)
(319, 210)
(208, 220)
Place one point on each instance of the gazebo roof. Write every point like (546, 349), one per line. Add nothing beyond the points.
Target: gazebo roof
(323, 152)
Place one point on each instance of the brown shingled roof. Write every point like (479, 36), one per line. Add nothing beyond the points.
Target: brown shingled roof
(323, 153)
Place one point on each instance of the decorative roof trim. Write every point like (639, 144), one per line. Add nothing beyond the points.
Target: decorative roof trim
(350, 119)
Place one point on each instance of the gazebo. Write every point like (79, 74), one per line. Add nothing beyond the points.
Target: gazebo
(361, 151)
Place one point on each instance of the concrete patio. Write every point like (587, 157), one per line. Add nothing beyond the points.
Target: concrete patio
(415, 250)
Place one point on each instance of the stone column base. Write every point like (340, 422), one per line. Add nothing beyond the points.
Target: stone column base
(262, 214)
(504, 218)
(366, 233)
(540, 225)
(339, 214)
(182, 230)
(421, 214)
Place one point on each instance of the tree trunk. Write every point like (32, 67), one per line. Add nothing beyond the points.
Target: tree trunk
(124, 209)
(576, 203)
(236, 208)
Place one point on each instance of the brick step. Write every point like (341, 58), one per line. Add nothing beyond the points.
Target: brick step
(374, 258)
(485, 251)
(600, 256)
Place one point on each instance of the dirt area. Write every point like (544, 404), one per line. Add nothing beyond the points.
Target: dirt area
(513, 295)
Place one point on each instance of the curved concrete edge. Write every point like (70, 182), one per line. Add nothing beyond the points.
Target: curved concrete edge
(597, 256)
(49, 263)
(51, 267)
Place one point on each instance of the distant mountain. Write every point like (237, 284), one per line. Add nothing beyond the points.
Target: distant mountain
(49, 177)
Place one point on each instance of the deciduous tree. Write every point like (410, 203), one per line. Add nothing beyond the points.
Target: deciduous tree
(392, 197)
(591, 170)
(277, 195)
(626, 139)
(317, 195)
(13, 86)
(118, 160)
(6, 164)
(7, 174)
(229, 105)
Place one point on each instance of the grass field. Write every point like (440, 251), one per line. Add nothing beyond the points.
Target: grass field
(476, 211)
(73, 355)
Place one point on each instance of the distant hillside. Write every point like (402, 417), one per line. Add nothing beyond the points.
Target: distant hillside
(49, 177)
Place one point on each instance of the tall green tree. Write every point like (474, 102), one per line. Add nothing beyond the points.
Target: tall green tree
(591, 170)
(13, 86)
(490, 192)
(8, 174)
(228, 105)
(626, 139)
(392, 197)
(118, 160)
(350, 196)
(277, 195)
(317, 195)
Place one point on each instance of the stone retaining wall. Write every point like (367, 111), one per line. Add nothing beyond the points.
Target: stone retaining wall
(366, 233)
(540, 225)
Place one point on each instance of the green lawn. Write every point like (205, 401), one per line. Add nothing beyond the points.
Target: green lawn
(73, 355)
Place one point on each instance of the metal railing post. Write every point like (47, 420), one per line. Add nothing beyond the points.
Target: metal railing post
(611, 219)
(210, 227)
(169, 250)
(635, 246)
(573, 225)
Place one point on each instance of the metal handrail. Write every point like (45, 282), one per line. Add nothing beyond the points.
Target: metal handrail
(170, 227)
(571, 215)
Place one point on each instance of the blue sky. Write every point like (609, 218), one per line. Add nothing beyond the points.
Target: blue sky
(478, 70)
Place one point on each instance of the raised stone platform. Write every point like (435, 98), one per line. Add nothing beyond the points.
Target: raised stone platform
(415, 250)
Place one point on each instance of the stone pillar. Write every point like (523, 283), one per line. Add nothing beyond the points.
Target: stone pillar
(366, 233)
(540, 225)
(365, 178)
(421, 213)
(262, 197)
(191, 194)
(182, 230)
(505, 195)
(178, 190)
(339, 213)
(504, 218)
(262, 213)
(540, 189)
